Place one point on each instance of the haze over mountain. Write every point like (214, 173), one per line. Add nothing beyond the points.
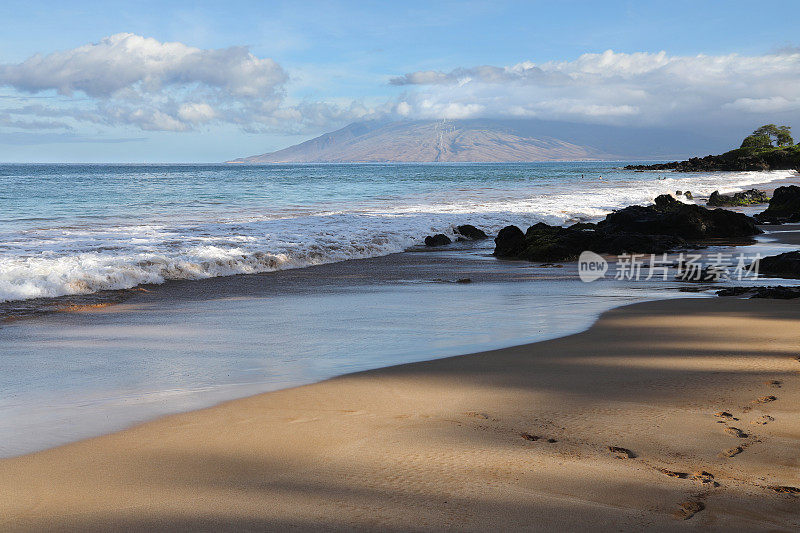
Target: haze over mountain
(485, 140)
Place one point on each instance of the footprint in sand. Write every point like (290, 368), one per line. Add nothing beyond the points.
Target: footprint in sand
(732, 452)
(688, 509)
(704, 477)
(765, 399)
(736, 432)
(622, 453)
(762, 420)
(723, 416)
(672, 473)
(700, 476)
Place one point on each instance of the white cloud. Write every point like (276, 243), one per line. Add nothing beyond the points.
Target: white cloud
(130, 80)
(127, 79)
(125, 62)
(611, 87)
(196, 113)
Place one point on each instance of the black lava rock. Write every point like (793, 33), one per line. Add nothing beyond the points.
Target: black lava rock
(783, 266)
(509, 242)
(783, 207)
(440, 239)
(471, 232)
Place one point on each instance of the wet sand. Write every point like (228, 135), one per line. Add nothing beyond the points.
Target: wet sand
(699, 399)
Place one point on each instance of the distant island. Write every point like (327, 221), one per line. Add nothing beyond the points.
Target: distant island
(486, 141)
(770, 147)
(427, 141)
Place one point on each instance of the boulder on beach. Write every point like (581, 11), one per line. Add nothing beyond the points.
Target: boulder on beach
(469, 231)
(751, 197)
(509, 242)
(440, 239)
(783, 266)
(784, 206)
(688, 195)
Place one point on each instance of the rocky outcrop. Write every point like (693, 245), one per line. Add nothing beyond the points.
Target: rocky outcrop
(783, 158)
(751, 197)
(687, 221)
(782, 266)
(468, 231)
(656, 229)
(440, 239)
(784, 206)
(544, 243)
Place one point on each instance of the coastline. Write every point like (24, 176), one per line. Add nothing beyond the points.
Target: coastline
(102, 260)
(439, 444)
(480, 381)
(29, 308)
(81, 334)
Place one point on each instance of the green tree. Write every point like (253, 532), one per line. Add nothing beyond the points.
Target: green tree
(756, 141)
(780, 135)
(785, 136)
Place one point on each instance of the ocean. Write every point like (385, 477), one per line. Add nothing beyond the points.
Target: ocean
(336, 277)
(77, 229)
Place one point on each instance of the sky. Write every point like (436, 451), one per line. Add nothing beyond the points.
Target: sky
(197, 81)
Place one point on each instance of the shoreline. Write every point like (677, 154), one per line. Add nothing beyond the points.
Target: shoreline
(32, 307)
(449, 442)
(393, 269)
(511, 303)
(662, 310)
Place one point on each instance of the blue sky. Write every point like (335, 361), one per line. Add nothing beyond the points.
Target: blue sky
(299, 71)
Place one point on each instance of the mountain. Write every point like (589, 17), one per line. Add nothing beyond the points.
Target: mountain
(483, 140)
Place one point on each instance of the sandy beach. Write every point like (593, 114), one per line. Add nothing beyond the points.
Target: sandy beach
(512, 439)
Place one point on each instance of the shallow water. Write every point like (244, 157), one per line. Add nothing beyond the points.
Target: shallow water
(71, 375)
